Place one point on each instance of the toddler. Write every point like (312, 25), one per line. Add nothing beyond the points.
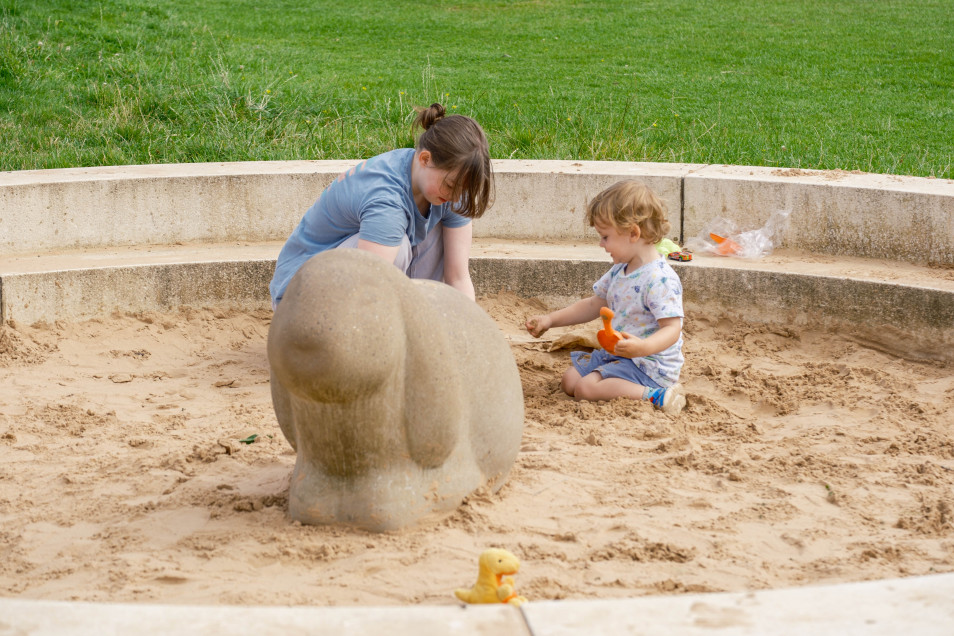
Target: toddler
(644, 293)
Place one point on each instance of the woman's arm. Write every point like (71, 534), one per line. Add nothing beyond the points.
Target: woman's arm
(387, 252)
(457, 242)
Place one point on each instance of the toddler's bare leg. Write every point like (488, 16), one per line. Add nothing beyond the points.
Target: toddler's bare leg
(594, 387)
(571, 377)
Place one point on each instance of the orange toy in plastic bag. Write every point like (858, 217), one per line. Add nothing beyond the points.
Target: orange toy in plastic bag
(721, 236)
(724, 246)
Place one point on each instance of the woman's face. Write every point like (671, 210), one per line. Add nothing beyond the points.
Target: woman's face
(436, 185)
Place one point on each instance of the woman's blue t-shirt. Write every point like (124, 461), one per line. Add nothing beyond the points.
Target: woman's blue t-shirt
(373, 200)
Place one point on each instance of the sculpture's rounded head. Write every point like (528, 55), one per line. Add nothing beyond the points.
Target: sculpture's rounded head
(338, 333)
(499, 562)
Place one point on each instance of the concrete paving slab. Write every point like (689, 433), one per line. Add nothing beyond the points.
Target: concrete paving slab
(81, 294)
(51, 618)
(833, 212)
(918, 605)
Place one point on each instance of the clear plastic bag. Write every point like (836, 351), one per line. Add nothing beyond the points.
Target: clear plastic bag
(722, 237)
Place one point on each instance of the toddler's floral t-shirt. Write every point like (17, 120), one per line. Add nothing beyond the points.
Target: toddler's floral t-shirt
(638, 300)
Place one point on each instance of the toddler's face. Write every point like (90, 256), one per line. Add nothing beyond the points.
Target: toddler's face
(619, 244)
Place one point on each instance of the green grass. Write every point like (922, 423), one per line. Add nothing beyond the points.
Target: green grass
(855, 84)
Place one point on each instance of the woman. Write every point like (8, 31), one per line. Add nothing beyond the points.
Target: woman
(412, 207)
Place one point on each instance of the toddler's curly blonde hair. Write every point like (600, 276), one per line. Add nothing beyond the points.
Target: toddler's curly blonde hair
(628, 204)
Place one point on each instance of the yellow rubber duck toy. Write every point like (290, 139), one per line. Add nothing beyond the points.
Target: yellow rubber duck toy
(494, 584)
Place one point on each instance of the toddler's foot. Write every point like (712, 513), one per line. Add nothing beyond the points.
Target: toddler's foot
(670, 400)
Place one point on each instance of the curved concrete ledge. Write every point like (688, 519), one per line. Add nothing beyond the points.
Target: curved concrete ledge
(917, 605)
(911, 316)
(102, 208)
(79, 243)
(833, 212)
(874, 301)
(78, 294)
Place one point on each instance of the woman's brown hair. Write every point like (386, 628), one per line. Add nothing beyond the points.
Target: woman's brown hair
(457, 144)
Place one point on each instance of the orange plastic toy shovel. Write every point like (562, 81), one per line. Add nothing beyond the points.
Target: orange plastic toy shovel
(607, 336)
(724, 246)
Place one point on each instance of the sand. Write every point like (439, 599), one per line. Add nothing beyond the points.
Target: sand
(803, 457)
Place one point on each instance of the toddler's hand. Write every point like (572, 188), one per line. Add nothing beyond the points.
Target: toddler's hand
(629, 347)
(538, 325)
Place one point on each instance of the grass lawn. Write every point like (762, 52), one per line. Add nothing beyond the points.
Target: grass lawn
(857, 84)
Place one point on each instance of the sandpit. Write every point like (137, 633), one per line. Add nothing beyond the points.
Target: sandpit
(803, 457)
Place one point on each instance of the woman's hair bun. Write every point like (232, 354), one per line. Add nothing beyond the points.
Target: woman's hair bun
(427, 117)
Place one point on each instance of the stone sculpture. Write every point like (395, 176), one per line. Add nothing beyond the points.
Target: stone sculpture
(400, 396)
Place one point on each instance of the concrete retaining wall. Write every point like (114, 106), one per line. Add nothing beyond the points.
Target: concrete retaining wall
(49, 210)
(546, 200)
(832, 212)
(82, 242)
(81, 294)
(878, 216)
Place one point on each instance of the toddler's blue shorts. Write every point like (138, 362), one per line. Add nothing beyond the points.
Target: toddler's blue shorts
(610, 366)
